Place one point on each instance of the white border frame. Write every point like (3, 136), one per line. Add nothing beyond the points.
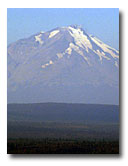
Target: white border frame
(63, 160)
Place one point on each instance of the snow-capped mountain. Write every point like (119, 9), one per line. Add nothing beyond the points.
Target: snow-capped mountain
(63, 65)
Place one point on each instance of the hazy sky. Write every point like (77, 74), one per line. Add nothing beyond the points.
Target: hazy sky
(103, 23)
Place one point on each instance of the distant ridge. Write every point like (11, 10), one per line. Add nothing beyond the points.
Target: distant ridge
(64, 112)
(63, 103)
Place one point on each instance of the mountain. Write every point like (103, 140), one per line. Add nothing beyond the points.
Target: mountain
(65, 64)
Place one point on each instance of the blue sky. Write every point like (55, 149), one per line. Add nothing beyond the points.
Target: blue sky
(101, 22)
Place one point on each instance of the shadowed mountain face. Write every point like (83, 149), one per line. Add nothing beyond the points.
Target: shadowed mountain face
(63, 65)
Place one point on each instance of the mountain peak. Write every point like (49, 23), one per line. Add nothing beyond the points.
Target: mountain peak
(75, 26)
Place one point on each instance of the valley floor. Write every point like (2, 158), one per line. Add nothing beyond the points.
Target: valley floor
(62, 146)
(62, 138)
(63, 129)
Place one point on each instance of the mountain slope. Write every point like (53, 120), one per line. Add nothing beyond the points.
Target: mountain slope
(63, 65)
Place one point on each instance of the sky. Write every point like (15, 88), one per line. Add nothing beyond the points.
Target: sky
(100, 22)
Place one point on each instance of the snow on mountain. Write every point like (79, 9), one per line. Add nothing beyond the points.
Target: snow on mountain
(63, 65)
(53, 33)
(106, 48)
(38, 38)
(47, 64)
(80, 38)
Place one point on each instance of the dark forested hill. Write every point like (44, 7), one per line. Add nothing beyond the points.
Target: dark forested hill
(64, 112)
